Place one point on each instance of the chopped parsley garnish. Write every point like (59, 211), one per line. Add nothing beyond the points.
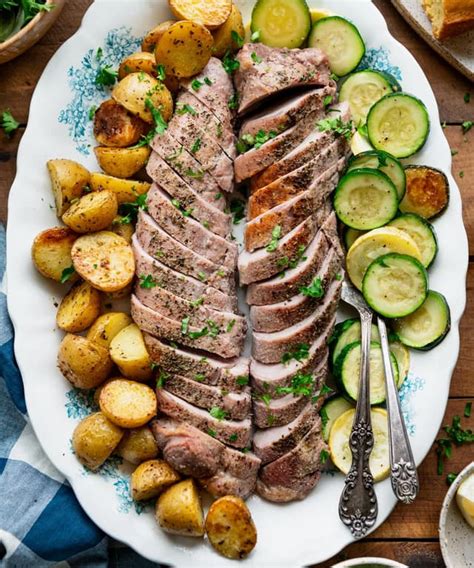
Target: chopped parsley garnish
(273, 244)
(196, 84)
(218, 413)
(249, 141)
(467, 410)
(202, 276)
(233, 101)
(229, 63)
(208, 81)
(92, 112)
(147, 281)
(301, 385)
(8, 123)
(237, 208)
(195, 174)
(242, 380)
(237, 39)
(467, 125)
(362, 130)
(451, 477)
(196, 145)
(214, 328)
(185, 108)
(217, 196)
(323, 391)
(323, 456)
(185, 325)
(180, 208)
(255, 36)
(160, 72)
(334, 77)
(159, 128)
(221, 273)
(230, 325)
(211, 432)
(314, 290)
(454, 152)
(66, 274)
(106, 76)
(336, 125)
(455, 435)
(265, 398)
(197, 334)
(467, 98)
(255, 58)
(271, 419)
(129, 211)
(338, 277)
(324, 416)
(219, 130)
(461, 174)
(196, 303)
(199, 377)
(161, 380)
(300, 352)
(327, 100)
(233, 437)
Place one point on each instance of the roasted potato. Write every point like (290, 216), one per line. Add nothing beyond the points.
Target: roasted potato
(124, 230)
(223, 36)
(184, 49)
(230, 528)
(154, 35)
(95, 438)
(84, 363)
(138, 445)
(68, 180)
(79, 308)
(119, 294)
(115, 126)
(106, 327)
(122, 162)
(179, 510)
(51, 251)
(92, 212)
(129, 353)
(127, 403)
(105, 260)
(208, 13)
(126, 190)
(135, 90)
(151, 478)
(427, 192)
(143, 61)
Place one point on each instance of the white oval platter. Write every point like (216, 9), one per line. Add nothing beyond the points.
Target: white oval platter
(295, 534)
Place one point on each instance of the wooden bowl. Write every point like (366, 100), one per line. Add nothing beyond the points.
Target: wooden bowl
(31, 33)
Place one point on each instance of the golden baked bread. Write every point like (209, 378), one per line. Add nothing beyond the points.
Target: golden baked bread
(450, 17)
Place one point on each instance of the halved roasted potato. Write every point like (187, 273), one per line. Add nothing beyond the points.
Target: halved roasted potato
(184, 49)
(138, 445)
(143, 61)
(92, 212)
(106, 327)
(122, 162)
(85, 364)
(127, 403)
(124, 230)
(79, 308)
(153, 36)
(105, 260)
(208, 13)
(135, 90)
(68, 179)
(151, 478)
(94, 439)
(223, 36)
(179, 510)
(427, 191)
(115, 126)
(129, 353)
(230, 528)
(120, 294)
(51, 251)
(126, 190)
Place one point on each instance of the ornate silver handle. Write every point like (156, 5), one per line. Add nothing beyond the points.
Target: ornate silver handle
(358, 503)
(403, 474)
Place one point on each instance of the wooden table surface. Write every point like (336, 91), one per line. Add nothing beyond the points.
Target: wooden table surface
(410, 535)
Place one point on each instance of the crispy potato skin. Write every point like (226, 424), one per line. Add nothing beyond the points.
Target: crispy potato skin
(92, 212)
(126, 190)
(184, 49)
(129, 353)
(115, 126)
(127, 403)
(79, 308)
(84, 364)
(151, 478)
(427, 192)
(138, 62)
(154, 35)
(179, 510)
(138, 445)
(105, 260)
(223, 40)
(106, 327)
(135, 89)
(208, 13)
(124, 230)
(68, 179)
(94, 439)
(230, 528)
(122, 162)
(51, 251)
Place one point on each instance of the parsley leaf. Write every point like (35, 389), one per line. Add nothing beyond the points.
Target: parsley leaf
(237, 39)
(255, 58)
(273, 244)
(455, 435)
(323, 456)
(230, 326)
(161, 380)
(242, 380)
(185, 108)
(106, 76)
(314, 290)
(185, 325)
(336, 125)
(147, 281)
(196, 84)
(196, 146)
(208, 82)
(248, 141)
(467, 98)
(229, 63)
(467, 125)
(92, 112)
(467, 410)
(195, 174)
(218, 413)
(160, 123)
(327, 100)
(301, 385)
(214, 328)
(237, 208)
(197, 334)
(160, 72)
(300, 352)
(255, 37)
(66, 274)
(129, 210)
(451, 477)
(233, 101)
(8, 123)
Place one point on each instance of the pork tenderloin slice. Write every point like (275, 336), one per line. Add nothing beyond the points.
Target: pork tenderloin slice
(176, 282)
(208, 337)
(236, 405)
(150, 237)
(232, 374)
(275, 317)
(309, 148)
(270, 347)
(293, 475)
(286, 285)
(286, 112)
(236, 433)
(281, 411)
(306, 178)
(272, 70)
(216, 95)
(224, 483)
(262, 264)
(188, 231)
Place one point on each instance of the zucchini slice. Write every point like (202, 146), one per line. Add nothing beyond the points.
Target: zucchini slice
(379, 461)
(331, 411)
(376, 243)
(350, 236)
(348, 332)
(428, 326)
(422, 232)
(361, 90)
(427, 191)
(281, 23)
(347, 372)
(402, 355)
(359, 144)
(398, 124)
(384, 162)
(365, 199)
(341, 41)
(395, 285)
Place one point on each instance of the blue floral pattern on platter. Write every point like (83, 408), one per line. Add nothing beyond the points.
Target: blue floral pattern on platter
(379, 60)
(410, 387)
